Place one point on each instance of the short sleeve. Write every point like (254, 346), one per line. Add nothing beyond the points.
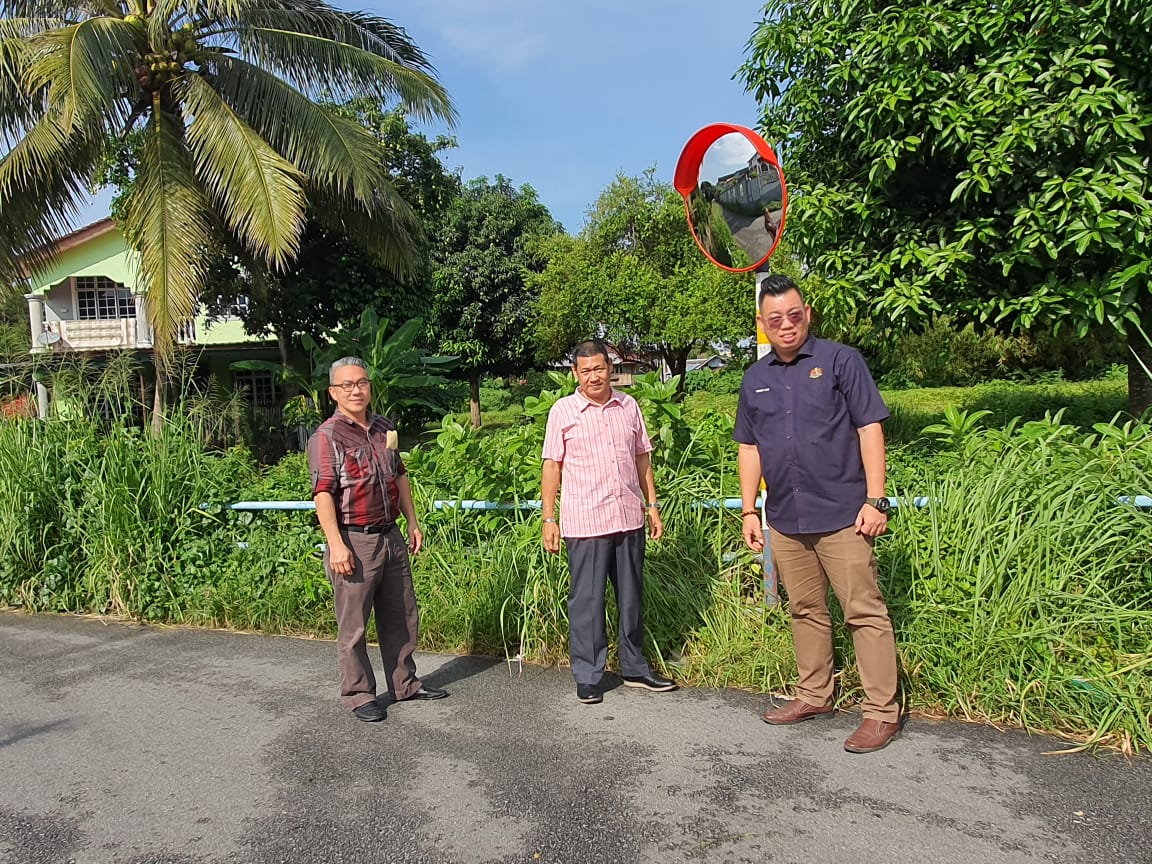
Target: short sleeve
(865, 404)
(322, 464)
(643, 442)
(744, 432)
(554, 435)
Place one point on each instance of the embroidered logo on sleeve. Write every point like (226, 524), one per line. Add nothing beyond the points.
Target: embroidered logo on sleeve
(816, 372)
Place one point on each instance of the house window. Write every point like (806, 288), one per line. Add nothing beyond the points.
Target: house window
(98, 298)
(260, 389)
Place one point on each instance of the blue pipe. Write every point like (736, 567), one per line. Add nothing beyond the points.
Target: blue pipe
(1142, 501)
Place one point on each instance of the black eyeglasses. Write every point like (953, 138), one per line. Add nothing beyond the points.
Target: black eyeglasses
(349, 386)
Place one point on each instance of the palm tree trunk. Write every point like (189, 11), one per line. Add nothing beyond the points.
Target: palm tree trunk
(158, 397)
(474, 397)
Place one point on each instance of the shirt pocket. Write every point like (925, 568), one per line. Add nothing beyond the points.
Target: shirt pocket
(767, 403)
(820, 401)
(359, 466)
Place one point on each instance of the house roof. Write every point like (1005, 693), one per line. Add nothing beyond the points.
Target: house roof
(42, 257)
(84, 234)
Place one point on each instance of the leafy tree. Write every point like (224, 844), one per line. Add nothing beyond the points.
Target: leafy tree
(635, 276)
(984, 160)
(487, 243)
(233, 139)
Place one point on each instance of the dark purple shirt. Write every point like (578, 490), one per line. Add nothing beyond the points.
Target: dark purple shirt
(803, 416)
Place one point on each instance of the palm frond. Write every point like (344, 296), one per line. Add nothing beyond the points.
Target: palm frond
(167, 220)
(257, 191)
(85, 69)
(324, 50)
(332, 150)
(320, 66)
(43, 181)
(72, 12)
(388, 230)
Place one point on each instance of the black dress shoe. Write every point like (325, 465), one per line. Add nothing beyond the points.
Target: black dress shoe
(427, 694)
(369, 712)
(651, 682)
(589, 694)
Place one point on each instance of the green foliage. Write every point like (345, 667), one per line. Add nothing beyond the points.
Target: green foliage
(486, 244)
(635, 275)
(975, 159)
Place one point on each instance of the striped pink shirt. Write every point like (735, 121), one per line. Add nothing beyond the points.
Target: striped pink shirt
(597, 446)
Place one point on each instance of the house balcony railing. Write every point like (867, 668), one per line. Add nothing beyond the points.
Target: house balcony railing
(113, 334)
(103, 335)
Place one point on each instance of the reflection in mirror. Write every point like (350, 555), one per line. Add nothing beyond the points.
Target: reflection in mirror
(737, 206)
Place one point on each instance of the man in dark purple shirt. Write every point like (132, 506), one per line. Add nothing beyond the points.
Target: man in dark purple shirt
(809, 423)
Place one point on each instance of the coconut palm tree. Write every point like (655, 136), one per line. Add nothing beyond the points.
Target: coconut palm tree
(230, 100)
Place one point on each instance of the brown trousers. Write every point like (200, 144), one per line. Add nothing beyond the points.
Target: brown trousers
(381, 581)
(807, 563)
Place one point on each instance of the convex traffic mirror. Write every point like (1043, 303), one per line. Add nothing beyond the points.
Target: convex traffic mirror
(734, 195)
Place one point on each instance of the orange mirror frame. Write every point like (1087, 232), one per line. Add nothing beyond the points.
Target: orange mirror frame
(687, 180)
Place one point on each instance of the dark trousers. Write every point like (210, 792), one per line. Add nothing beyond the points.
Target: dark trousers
(382, 582)
(591, 562)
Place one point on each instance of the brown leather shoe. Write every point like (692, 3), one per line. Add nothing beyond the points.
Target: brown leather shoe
(796, 711)
(871, 735)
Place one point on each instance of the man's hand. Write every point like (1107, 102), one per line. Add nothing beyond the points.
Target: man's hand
(753, 532)
(871, 522)
(415, 539)
(340, 559)
(655, 524)
(550, 537)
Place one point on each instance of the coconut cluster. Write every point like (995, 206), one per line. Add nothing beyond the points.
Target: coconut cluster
(161, 66)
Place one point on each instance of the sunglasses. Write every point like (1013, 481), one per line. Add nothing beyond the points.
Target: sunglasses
(775, 322)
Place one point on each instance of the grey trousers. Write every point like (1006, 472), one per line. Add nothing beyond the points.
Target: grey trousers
(591, 562)
(382, 582)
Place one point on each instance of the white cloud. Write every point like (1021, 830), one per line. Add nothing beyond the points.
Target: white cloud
(730, 153)
(501, 36)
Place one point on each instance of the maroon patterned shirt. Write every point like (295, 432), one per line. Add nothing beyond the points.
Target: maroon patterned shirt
(358, 467)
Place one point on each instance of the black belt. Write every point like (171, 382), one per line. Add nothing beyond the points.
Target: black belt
(371, 529)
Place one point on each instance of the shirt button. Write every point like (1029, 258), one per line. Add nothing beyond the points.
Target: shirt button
(788, 412)
(787, 386)
(787, 436)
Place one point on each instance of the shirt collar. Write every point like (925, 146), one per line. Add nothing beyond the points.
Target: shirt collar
(340, 415)
(806, 350)
(585, 402)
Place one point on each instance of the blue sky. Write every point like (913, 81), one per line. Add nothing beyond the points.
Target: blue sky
(564, 96)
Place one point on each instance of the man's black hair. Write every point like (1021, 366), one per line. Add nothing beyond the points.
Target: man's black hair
(775, 285)
(591, 348)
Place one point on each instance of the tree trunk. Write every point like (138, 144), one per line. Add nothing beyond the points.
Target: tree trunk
(1140, 364)
(474, 397)
(677, 360)
(158, 396)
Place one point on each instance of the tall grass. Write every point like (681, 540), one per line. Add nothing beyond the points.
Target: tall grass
(1022, 594)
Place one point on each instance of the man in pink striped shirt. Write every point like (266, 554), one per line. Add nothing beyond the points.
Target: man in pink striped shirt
(597, 455)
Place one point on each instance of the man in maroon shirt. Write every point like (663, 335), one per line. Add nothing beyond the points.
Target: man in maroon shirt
(360, 487)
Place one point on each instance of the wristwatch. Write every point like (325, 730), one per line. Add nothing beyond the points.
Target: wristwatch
(881, 504)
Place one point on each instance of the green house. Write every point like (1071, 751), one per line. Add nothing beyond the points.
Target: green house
(89, 300)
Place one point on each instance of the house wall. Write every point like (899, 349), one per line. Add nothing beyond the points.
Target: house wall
(106, 255)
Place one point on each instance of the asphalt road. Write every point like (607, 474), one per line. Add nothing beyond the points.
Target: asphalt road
(123, 743)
